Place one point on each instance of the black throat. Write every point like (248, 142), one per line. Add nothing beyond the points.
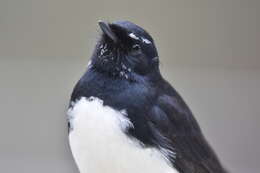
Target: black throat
(111, 61)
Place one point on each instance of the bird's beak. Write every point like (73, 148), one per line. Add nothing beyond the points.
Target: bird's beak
(108, 31)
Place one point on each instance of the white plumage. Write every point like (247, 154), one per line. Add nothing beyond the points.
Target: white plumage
(99, 144)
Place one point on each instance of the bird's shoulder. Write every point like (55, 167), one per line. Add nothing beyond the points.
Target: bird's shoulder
(170, 107)
(171, 118)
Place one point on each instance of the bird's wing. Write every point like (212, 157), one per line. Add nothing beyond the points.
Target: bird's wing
(178, 131)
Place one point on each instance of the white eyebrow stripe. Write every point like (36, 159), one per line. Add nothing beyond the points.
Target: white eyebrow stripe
(132, 35)
(146, 41)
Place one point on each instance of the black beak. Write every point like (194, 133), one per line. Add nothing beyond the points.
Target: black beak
(108, 31)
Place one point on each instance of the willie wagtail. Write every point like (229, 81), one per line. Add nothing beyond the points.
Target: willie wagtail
(125, 118)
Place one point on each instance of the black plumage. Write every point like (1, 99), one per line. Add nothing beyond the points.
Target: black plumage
(124, 73)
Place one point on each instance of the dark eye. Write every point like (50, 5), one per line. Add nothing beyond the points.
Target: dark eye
(136, 47)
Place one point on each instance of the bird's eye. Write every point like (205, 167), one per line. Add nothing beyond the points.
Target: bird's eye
(136, 47)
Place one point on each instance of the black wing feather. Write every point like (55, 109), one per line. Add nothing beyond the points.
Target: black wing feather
(173, 120)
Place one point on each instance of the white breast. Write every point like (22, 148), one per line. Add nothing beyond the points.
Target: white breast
(99, 144)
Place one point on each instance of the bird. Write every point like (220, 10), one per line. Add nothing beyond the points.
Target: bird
(124, 117)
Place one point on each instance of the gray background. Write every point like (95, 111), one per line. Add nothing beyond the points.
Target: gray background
(209, 51)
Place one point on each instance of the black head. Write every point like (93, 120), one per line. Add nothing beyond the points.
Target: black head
(125, 49)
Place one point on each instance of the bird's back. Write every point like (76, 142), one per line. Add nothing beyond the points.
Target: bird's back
(193, 153)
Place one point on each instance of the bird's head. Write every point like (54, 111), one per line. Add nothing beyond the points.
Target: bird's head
(125, 49)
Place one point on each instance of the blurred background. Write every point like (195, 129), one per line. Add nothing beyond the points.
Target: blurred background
(209, 51)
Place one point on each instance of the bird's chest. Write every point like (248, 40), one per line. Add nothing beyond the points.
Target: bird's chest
(99, 144)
